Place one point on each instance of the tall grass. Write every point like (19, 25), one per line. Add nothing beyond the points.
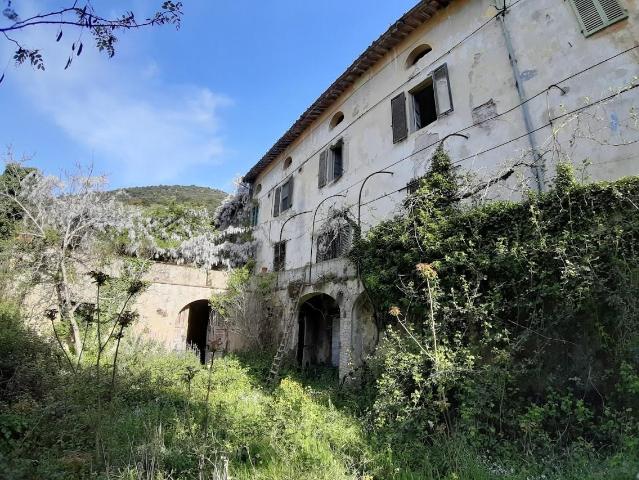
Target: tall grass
(159, 426)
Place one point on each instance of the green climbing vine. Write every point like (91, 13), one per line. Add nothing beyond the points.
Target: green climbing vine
(515, 323)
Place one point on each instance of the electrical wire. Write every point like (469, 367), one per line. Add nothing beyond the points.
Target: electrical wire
(390, 94)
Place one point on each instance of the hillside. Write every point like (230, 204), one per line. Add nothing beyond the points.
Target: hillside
(190, 195)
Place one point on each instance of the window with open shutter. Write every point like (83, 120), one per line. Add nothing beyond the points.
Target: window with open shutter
(276, 201)
(288, 201)
(443, 95)
(255, 214)
(321, 174)
(337, 160)
(595, 15)
(400, 123)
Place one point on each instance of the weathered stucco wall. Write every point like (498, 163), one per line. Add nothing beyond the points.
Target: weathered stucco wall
(172, 288)
(163, 307)
(548, 46)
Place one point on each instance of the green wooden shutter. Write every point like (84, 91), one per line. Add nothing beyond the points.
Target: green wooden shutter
(276, 201)
(290, 194)
(400, 123)
(443, 94)
(321, 175)
(595, 15)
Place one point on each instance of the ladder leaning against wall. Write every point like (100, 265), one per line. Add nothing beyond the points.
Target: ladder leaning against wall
(274, 373)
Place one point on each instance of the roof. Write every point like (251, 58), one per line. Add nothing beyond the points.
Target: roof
(397, 32)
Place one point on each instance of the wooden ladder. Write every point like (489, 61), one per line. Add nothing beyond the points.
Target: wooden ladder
(274, 373)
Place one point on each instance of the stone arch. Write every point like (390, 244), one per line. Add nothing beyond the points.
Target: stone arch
(318, 330)
(364, 332)
(195, 321)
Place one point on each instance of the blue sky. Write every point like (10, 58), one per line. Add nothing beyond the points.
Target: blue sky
(196, 106)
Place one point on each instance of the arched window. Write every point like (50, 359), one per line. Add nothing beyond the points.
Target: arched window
(336, 120)
(288, 162)
(417, 54)
(258, 188)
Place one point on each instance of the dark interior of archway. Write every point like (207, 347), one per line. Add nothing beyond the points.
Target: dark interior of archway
(198, 324)
(318, 326)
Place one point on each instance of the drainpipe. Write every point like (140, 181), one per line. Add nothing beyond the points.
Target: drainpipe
(538, 167)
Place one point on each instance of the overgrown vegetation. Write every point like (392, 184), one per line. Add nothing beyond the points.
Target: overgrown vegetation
(189, 196)
(510, 350)
(512, 325)
(170, 418)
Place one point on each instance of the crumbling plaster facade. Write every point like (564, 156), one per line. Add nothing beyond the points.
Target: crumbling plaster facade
(543, 39)
(163, 307)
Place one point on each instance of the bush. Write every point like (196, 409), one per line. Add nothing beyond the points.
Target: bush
(516, 325)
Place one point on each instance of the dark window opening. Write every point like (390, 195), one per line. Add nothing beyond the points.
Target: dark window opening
(425, 107)
(198, 324)
(283, 198)
(337, 157)
(279, 257)
(336, 120)
(288, 162)
(318, 340)
(417, 54)
(331, 164)
(413, 185)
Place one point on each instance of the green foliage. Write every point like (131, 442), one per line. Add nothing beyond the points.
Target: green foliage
(167, 195)
(531, 346)
(9, 211)
(236, 289)
(170, 420)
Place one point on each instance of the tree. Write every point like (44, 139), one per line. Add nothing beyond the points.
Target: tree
(62, 221)
(76, 16)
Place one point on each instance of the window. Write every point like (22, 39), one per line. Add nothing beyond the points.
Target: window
(595, 15)
(279, 256)
(424, 107)
(417, 54)
(430, 100)
(331, 164)
(255, 214)
(336, 120)
(258, 189)
(334, 244)
(283, 197)
(413, 185)
(288, 162)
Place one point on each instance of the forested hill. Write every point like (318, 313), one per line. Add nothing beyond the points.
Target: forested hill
(190, 195)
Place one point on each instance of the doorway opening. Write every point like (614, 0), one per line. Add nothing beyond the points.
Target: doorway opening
(199, 313)
(318, 342)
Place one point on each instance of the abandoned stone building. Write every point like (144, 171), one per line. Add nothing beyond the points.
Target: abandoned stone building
(542, 80)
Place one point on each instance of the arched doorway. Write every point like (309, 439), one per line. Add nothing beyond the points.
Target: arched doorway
(197, 315)
(318, 340)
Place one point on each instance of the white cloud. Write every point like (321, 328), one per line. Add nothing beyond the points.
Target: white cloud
(139, 129)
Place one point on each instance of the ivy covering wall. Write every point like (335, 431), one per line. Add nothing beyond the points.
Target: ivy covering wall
(514, 323)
